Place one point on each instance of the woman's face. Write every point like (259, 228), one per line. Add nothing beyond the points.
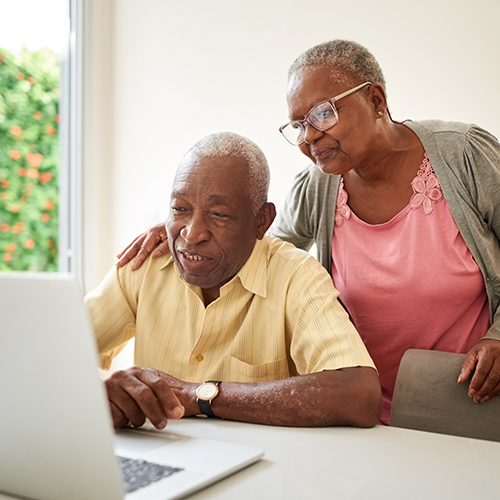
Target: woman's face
(352, 142)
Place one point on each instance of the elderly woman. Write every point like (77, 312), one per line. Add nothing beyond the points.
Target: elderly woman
(406, 217)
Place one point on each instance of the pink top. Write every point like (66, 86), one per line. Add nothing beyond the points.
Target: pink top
(410, 282)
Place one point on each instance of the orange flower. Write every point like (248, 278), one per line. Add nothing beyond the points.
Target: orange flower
(31, 80)
(14, 208)
(20, 76)
(15, 130)
(1, 58)
(49, 205)
(4, 183)
(4, 227)
(34, 159)
(37, 115)
(56, 119)
(45, 217)
(4, 196)
(11, 247)
(21, 225)
(51, 130)
(15, 154)
(45, 177)
(7, 257)
(50, 243)
(21, 172)
(33, 173)
(29, 244)
(16, 229)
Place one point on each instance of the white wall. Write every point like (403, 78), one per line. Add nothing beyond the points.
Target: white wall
(163, 73)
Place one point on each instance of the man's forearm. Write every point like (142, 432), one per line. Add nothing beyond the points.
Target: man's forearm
(349, 396)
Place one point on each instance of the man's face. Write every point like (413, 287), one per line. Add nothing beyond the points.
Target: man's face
(211, 226)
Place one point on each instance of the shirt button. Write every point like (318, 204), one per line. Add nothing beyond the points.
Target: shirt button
(199, 357)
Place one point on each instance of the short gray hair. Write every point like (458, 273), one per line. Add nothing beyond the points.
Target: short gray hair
(344, 54)
(231, 145)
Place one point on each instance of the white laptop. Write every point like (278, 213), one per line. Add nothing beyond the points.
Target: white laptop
(56, 436)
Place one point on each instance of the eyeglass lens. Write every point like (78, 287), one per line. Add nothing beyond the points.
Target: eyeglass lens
(321, 117)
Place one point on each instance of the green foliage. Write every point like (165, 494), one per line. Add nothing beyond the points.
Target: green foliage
(29, 160)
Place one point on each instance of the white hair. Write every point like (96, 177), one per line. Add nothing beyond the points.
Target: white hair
(231, 145)
(344, 54)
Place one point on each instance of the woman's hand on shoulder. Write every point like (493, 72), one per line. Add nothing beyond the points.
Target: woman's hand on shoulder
(154, 241)
(484, 357)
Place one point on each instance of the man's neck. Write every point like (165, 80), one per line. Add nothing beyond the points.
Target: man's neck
(210, 294)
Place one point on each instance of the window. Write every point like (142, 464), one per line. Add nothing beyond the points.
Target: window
(38, 135)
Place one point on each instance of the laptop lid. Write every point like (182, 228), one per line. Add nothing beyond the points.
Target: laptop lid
(56, 433)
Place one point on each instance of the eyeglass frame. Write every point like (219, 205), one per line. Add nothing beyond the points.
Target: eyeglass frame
(331, 101)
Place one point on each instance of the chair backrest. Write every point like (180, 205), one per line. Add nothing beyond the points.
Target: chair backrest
(427, 397)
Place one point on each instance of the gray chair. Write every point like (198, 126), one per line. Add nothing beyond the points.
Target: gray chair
(428, 398)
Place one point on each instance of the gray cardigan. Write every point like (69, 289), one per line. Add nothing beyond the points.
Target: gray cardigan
(466, 161)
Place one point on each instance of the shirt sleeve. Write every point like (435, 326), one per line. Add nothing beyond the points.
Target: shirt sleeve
(482, 161)
(112, 310)
(322, 335)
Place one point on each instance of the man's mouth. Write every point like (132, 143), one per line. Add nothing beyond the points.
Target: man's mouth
(192, 256)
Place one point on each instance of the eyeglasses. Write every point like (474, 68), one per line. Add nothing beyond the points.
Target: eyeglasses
(322, 117)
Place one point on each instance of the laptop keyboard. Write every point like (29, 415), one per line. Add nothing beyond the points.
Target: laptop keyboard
(137, 474)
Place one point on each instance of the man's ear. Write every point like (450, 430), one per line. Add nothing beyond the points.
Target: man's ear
(265, 218)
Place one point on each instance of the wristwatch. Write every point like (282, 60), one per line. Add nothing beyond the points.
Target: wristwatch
(205, 393)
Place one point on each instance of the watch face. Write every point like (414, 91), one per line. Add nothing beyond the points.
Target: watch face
(207, 391)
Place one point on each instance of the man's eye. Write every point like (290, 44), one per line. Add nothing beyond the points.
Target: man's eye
(178, 209)
(220, 215)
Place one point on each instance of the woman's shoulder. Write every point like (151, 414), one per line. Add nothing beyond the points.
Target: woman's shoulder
(438, 127)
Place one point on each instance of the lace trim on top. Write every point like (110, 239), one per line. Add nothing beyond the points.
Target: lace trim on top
(426, 192)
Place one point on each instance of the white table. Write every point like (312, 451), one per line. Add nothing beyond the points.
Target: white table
(345, 463)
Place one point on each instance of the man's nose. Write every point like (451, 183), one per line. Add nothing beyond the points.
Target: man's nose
(195, 231)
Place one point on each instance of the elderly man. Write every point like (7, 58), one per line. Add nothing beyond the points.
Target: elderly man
(231, 323)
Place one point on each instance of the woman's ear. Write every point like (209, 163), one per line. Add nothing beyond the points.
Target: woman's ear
(377, 97)
(265, 218)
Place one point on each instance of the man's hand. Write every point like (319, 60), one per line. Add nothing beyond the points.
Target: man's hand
(143, 245)
(138, 393)
(485, 358)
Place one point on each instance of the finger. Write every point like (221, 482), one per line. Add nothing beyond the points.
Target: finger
(486, 384)
(161, 249)
(147, 402)
(146, 248)
(491, 394)
(130, 252)
(122, 401)
(468, 366)
(118, 417)
(167, 399)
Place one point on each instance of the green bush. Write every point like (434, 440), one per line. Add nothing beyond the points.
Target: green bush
(29, 160)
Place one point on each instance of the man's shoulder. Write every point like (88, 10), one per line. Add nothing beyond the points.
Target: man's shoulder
(282, 252)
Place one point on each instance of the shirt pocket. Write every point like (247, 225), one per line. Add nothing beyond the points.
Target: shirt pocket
(244, 372)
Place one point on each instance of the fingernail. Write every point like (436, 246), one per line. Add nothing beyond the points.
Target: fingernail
(486, 398)
(162, 424)
(178, 412)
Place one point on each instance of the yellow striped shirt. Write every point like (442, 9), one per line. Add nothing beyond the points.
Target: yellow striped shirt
(278, 317)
